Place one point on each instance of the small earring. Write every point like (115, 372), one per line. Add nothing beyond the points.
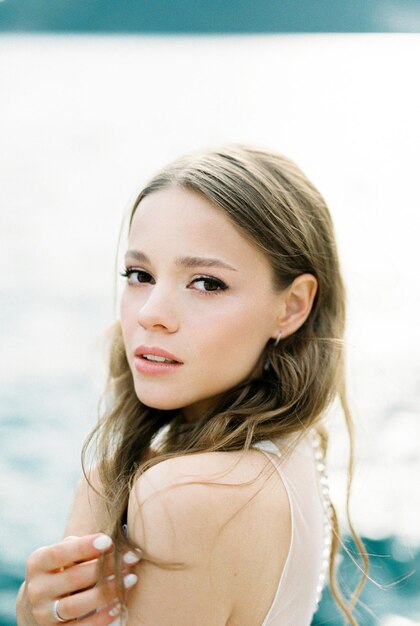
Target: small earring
(266, 366)
(278, 338)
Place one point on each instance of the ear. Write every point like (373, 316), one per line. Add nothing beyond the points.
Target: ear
(295, 304)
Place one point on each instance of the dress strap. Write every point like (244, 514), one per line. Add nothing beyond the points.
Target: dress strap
(268, 446)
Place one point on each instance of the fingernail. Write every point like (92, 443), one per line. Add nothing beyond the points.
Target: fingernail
(102, 542)
(110, 577)
(116, 610)
(130, 580)
(116, 622)
(131, 557)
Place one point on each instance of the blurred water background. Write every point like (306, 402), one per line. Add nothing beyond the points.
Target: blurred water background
(84, 121)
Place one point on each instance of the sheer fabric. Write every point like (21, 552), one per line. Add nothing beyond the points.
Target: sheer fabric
(304, 574)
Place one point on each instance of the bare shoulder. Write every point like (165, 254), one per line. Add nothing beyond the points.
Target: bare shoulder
(88, 513)
(207, 478)
(217, 481)
(217, 513)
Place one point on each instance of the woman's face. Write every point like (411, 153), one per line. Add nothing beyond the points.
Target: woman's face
(199, 290)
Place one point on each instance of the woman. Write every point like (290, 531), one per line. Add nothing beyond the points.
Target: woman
(211, 447)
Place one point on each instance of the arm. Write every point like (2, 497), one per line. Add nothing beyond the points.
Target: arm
(83, 520)
(181, 522)
(88, 513)
(67, 569)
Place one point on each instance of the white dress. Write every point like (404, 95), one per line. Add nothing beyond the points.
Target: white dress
(304, 574)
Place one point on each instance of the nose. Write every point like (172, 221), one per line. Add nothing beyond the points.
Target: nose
(158, 311)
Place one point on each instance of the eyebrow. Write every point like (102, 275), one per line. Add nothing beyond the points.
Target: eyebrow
(183, 261)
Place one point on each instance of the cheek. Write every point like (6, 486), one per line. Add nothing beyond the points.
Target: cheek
(129, 307)
(127, 317)
(233, 338)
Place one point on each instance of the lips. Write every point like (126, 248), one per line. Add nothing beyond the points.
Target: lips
(155, 351)
(148, 367)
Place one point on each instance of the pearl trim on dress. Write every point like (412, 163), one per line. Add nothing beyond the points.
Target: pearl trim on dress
(269, 446)
(328, 513)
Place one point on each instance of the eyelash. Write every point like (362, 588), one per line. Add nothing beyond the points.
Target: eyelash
(129, 271)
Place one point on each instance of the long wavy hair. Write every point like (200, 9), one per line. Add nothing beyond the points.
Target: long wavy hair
(270, 201)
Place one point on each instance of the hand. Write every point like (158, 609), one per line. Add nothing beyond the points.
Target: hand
(67, 572)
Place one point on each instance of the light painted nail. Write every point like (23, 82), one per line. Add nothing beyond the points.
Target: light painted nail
(102, 542)
(116, 622)
(131, 557)
(130, 580)
(110, 577)
(116, 610)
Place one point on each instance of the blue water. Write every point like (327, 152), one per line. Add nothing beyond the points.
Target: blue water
(393, 565)
(237, 16)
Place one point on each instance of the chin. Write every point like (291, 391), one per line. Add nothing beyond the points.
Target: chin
(161, 403)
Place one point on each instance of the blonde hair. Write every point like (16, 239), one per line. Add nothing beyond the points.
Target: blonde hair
(268, 198)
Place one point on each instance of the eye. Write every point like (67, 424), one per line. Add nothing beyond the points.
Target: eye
(209, 285)
(135, 276)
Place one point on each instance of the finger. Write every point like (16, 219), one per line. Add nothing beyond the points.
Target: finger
(85, 575)
(78, 577)
(105, 616)
(132, 557)
(71, 580)
(41, 596)
(83, 603)
(67, 552)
